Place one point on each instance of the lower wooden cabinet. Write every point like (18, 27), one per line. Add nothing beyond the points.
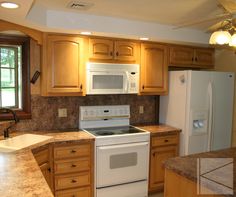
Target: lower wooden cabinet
(162, 148)
(46, 170)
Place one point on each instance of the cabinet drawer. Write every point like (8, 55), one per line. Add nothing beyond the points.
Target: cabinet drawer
(71, 181)
(72, 165)
(81, 192)
(72, 151)
(167, 140)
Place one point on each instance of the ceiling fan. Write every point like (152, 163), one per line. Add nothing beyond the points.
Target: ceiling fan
(224, 31)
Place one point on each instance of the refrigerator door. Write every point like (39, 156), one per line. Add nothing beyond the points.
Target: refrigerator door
(198, 112)
(223, 94)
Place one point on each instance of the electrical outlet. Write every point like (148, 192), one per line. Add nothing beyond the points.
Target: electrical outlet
(62, 112)
(141, 110)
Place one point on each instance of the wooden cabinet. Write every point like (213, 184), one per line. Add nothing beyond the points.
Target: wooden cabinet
(154, 69)
(113, 50)
(73, 169)
(63, 65)
(181, 56)
(162, 148)
(42, 156)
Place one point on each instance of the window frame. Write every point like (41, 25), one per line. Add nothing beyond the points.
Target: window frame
(25, 112)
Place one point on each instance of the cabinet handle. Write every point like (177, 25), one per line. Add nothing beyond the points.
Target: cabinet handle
(153, 154)
(143, 87)
(195, 59)
(111, 54)
(73, 165)
(166, 140)
(117, 53)
(81, 86)
(192, 59)
(73, 181)
(49, 169)
(73, 151)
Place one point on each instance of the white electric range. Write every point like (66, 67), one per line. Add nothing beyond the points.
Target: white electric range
(122, 151)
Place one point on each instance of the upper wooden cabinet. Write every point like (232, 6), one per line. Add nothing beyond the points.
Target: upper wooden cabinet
(181, 56)
(113, 50)
(64, 65)
(154, 69)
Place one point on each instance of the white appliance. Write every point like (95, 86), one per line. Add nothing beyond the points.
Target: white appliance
(201, 104)
(104, 78)
(121, 151)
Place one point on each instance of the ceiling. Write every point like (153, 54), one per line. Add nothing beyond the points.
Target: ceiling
(34, 13)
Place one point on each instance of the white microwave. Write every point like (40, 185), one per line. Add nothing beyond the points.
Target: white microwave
(108, 78)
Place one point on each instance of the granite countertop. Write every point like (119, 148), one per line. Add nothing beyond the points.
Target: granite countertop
(218, 166)
(159, 129)
(20, 174)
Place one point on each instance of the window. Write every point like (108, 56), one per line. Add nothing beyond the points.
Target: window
(14, 75)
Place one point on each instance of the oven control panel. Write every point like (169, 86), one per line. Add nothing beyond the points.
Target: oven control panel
(104, 112)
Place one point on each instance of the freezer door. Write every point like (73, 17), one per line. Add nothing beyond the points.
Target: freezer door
(197, 112)
(223, 94)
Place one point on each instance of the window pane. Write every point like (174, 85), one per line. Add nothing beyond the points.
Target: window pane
(8, 57)
(8, 97)
(7, 77)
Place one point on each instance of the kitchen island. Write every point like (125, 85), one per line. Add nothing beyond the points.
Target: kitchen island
(209, 173)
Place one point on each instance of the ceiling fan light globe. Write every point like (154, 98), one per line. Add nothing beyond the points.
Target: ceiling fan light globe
(213, 37)
(220, 37)
(233, 41)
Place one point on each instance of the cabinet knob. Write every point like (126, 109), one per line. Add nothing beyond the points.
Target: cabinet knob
(73, 151)
(153, 154)
(73, 165)
(195, 59)
(81, 86)
(117, 53)
(111, 53)
(73, 181)
(143, 87)
(192, 59)
(49, 169)
(166, 140)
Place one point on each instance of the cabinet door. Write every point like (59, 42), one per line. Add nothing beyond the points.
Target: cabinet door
(181, 56)
(158, 156)
(154, 68)
(65, 64)
(204, 57)
(100, 49)
(46, 170)
(126, 51)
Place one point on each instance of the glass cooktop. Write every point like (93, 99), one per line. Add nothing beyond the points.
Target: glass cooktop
(105, 131)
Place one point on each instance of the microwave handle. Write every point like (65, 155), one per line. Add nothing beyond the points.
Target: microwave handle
(127, 81)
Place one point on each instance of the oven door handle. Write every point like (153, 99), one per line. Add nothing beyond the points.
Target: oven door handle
(124, 146)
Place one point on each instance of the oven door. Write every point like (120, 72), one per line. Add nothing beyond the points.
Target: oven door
(119, 164)
(107, 82)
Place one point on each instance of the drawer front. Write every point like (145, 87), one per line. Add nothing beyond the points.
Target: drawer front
(72, 181)
(72, 165)
(71, 151)
(162, 141)
(81, 192)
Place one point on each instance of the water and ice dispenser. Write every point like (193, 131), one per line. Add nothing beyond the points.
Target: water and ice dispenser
(199, 121)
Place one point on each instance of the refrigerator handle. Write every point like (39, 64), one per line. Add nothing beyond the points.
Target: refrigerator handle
(210, 133)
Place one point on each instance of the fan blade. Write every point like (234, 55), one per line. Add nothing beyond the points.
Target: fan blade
(218, 26)
(229, 5)
(218, 17)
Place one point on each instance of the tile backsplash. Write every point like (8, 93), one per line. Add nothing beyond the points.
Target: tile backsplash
(45, 110)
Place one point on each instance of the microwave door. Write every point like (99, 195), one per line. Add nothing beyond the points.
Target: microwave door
(107, 82)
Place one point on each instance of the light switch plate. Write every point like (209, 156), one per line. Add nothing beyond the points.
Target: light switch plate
(62, 112)
(141, 110)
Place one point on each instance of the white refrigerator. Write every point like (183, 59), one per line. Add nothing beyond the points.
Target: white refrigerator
(201, 104)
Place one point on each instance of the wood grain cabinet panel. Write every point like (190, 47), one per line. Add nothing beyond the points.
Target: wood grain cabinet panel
(80, 192)
(154, 69)
(113, 50)
(101, 49)
(161, 149)
(183, 56)
(64, 66)
(46, 170)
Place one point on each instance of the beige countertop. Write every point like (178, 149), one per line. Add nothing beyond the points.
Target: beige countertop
(19, 172)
